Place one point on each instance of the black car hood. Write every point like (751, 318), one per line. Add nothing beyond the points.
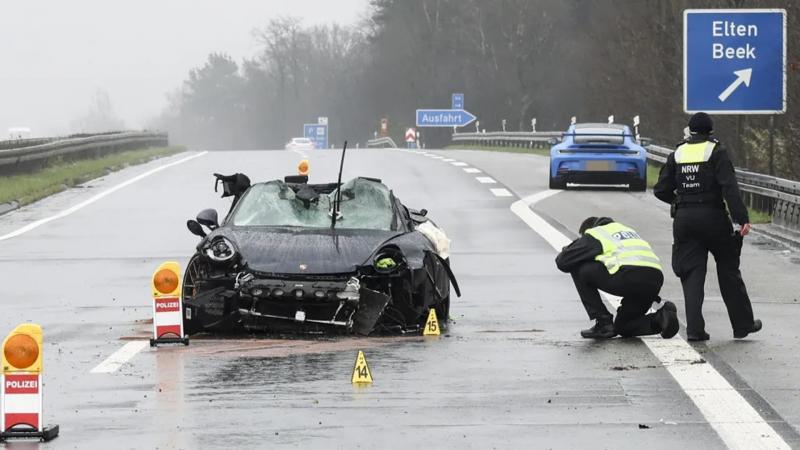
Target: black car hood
(306, 252)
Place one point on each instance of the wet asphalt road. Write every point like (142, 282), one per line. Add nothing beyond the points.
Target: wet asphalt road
(510, 372)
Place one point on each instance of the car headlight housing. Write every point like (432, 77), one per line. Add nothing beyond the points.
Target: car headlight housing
(388, 260)
(221, 249)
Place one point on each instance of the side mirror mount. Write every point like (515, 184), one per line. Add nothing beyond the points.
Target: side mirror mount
(423, 212)
(195, 228)
(208, 217)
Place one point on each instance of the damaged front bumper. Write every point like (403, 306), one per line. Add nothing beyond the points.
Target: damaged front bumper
(291, 305)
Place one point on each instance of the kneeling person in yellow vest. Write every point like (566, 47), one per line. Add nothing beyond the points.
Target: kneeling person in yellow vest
(613, 258)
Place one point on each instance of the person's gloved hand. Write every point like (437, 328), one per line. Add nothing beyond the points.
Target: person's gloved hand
(745, 229)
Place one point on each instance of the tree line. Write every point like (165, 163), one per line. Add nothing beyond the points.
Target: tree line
(513, 60)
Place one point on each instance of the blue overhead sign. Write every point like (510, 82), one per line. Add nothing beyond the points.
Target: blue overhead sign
(734, 61)
(443, 118)
(457, 101)
(317, 133)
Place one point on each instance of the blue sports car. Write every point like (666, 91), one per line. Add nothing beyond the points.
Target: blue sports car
(598, 153)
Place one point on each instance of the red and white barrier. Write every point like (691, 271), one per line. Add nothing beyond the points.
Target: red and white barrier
(22, 401)
(21, 386)
(167, 319)
(167, 306)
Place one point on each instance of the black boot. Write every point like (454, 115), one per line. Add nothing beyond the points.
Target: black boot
(702, 336)
(602, 329)
(668, 319)
(754, 329)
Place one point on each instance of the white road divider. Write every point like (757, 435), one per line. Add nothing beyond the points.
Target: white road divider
(736, 422)
(472, 170)
(486, 180)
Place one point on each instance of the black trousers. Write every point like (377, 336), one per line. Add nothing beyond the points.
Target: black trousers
(698, 231)
(638, 287)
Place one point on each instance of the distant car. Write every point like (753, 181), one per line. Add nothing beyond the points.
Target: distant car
(598, 153)
(300, 143)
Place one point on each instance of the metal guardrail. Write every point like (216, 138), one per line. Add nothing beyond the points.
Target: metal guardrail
(777, 196)
(26, 158)
(383, 142)
(539, 139)
(19, 143)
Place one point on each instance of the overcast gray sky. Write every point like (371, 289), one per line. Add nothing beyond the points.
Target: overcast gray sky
(55, 54)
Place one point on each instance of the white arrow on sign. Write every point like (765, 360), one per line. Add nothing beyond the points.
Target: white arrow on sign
(742, 76)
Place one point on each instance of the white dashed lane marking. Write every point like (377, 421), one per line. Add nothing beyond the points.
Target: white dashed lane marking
(472, 170)
(486, 180)
(501, 192)
(448, 160)
(120, 357)
(459, 164)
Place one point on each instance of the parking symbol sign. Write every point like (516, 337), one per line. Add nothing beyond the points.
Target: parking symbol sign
(734, 61)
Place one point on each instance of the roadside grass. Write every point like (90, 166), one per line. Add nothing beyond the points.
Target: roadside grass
(758, 217)
(652, 175)
(491, 148)
(29, 187)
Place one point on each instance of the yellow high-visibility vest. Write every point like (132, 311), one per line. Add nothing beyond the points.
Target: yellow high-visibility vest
(699, 152)
(622, 246)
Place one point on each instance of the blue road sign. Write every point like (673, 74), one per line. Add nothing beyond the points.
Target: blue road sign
(443, 118)
(317, 133)
(734, 61)
(458, 101)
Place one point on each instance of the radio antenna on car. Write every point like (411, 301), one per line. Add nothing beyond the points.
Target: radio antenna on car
(338, 198)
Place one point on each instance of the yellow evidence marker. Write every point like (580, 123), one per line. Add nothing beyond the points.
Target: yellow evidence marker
(361, 372)
(432, 325)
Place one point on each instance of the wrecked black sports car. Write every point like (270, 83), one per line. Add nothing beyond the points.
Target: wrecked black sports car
(283, 262)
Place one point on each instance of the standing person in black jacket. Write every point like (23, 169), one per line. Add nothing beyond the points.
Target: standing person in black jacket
(612, 257)
(696, 179)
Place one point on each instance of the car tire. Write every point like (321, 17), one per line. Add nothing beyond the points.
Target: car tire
(557, 183)
(638, 185)
(443, 310)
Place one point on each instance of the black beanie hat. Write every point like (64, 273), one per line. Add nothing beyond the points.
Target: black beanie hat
(701, 123)
(592, 222)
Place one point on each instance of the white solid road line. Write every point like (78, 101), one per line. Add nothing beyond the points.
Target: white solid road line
(472, 170)
(486, 180)
(501, 192)
(120, 357)
(736, 422)
(459, 164)
(89, 201)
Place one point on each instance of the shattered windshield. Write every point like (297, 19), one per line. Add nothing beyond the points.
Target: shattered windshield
(365, 204)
